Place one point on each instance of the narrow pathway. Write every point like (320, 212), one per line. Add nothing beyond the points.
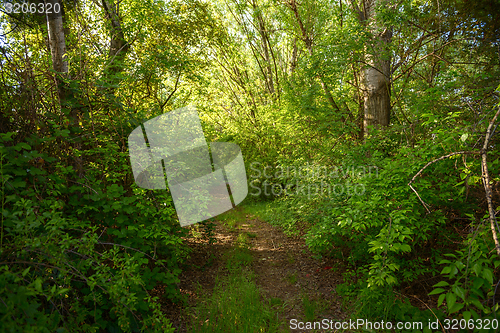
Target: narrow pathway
(286, 272)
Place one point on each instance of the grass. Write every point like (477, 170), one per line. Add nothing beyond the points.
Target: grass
(238, 258)
(231, 217)
(236, 304)
(276, 213)
(311, 308)
(292, 278)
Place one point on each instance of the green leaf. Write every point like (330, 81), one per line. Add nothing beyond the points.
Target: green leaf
(476, 269)
(456, 307)
(459, 291)
(488, 275)
(406, 248)
(22, 145)
(446, 270)
(25, 271)
(437, 291)
(460, 265)
(62, 291)
(38, 284)
(478, 304)
(450, 300)
(441, 299)
(441, 284)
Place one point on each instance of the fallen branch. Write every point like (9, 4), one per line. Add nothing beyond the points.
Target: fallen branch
(419, 198)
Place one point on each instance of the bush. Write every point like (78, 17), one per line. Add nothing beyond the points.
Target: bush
(82, 254)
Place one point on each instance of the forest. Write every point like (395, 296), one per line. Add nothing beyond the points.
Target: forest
(368, 142)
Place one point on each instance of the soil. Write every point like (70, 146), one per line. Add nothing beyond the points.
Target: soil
(284, 269)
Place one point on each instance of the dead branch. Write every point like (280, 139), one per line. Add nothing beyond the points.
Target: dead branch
(431, 162)
(439, 159)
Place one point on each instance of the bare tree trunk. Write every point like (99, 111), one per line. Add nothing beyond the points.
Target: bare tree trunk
(57, 42)
(376, 75)
(487, 185)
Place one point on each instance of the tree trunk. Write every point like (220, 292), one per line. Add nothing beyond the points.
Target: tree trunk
(377, 99)
(57, 42)
(376, 75)
(118, 45)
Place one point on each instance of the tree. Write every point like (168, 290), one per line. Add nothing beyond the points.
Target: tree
(376, 76)
(57, 40)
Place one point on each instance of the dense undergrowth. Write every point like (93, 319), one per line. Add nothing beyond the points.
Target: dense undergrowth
(82, 254)
(363, 212)
(82, 248)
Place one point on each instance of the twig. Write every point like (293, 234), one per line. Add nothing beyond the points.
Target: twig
(434, 161)
(485, 177)
(426, 307)
(442, 158)
(419, 198)
(84, 185)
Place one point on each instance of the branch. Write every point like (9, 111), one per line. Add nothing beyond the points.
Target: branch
(487, 185)
(434, 161)
(173, 91)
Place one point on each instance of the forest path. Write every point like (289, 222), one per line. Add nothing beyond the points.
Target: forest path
(285, 271)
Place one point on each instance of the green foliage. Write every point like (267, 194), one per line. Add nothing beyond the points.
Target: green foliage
(81, 256)
(468, 288)
(241, 256)
(380, 229)
(82, 247)
(312, 308)
(384, 304)
(383, 230)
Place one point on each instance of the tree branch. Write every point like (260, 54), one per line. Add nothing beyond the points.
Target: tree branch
(486, 182)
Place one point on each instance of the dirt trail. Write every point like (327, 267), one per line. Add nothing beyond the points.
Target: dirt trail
(284, 269)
